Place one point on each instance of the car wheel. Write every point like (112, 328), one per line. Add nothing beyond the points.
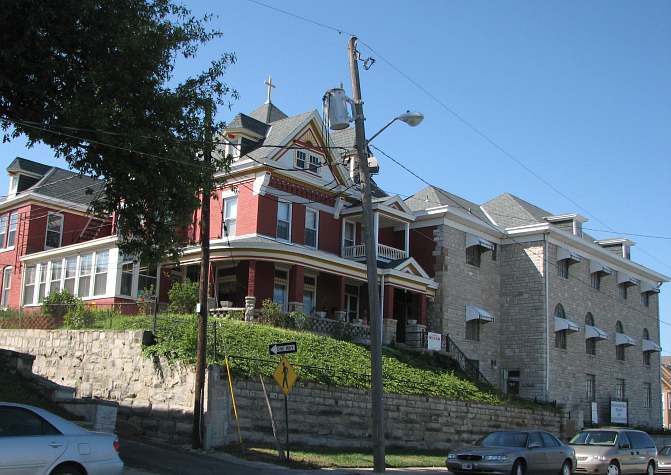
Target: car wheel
(613, 469)
(651, 469)
(519, 468)
(68, 469)
(566, 468)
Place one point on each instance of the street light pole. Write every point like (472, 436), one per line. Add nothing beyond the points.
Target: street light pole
(377, 389)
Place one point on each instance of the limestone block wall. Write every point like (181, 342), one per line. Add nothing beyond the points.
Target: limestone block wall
(155, 397)
(337, 417)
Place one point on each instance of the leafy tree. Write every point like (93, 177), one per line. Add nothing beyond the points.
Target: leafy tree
(93, 79)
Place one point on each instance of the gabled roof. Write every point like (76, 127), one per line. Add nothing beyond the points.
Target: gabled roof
(277, 135)
(433, 197)
(510, 211)
(24, 165)
(242, 121)
(268, 113)
(344, 138)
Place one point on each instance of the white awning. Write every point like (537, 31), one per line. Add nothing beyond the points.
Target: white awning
(563, 253)
(649, 345)
(476, 313)
(473, 240)
(624, 340)
(649, 287)
(564, 324)
(596, 266)
(595, 333)
(625, 279)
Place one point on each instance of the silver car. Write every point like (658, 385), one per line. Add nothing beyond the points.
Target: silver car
(36, 442)
(664, 460)
(614, 451)
(516, 453)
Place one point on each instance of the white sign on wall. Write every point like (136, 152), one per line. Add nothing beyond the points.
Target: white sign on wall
(618, 412)
(595, 413)
(434, 341)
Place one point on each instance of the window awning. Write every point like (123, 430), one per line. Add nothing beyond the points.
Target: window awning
(624, 340)
(649, 287)
(476, 313)
(596, 266)
(627, 280)
(649, 345)
(564, 324)
(563, 253)
(473, 240)
(595, 333)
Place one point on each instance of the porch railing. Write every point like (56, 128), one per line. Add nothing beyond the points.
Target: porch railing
(383, 252)
(467, 366)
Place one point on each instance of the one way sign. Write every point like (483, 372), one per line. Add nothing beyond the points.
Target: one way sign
(282, 348)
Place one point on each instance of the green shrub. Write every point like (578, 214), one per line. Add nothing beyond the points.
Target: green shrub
(271, 313)
(183, 297)
(298, 320)
(236, 315)
(57, 304)
(10, 314)
(78, 317)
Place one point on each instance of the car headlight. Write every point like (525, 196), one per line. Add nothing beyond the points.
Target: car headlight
(598, 458)
(495, 458)
(451, 456)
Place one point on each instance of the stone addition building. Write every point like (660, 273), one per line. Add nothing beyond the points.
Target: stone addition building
(541, 308)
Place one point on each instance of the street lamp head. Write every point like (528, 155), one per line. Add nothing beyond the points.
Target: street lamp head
(411, 118)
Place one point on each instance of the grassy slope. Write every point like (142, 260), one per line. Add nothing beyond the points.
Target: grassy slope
(319, 358)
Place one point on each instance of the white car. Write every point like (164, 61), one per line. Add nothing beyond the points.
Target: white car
(36, 442)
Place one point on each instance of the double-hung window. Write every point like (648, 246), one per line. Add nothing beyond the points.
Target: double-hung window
(6, 285)
(127, 265)
(230, 215)
(311, 227)
(100, 280)
(315, 163)
(301, 159)
(352, 302)
(29, 285)
(280, 289)
(283, 220)
(55, 279)
(54, 231)
(3, 230)
(85, 268)
(42, 289)
(11, 234)
(349, 239)
(70, 277)
(309, 301)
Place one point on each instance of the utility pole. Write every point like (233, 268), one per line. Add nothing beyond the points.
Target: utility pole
(377, 388)
(201, 357)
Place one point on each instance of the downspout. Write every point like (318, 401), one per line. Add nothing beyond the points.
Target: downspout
(547, 316)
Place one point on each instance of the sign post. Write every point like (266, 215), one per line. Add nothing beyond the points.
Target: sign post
(285, 376)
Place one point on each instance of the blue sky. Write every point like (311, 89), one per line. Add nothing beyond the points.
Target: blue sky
(580, 92)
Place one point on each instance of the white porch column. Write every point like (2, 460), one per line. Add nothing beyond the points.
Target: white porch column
(376, 229)
(407, 239)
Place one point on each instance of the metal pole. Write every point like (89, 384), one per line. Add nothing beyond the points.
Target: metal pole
(286, 421)
(377, 389)
(201, 356)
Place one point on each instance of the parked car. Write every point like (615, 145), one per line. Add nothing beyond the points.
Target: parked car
(614, 451)
(34, 441)
(664, 459)
(516, 453)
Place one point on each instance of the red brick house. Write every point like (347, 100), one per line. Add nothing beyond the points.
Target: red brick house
(285, 225)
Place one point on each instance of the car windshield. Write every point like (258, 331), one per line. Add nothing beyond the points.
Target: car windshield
(594, 437)
(505, 439)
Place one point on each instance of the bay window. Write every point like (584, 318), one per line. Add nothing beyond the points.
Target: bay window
(29, 285)
(85, 269)
(100, 279)
(42, 288)
(70, 277)
(55, 279)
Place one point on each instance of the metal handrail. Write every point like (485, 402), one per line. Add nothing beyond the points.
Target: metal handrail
(464, 362)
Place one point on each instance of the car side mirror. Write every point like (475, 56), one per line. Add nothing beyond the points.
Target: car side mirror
(534, 445)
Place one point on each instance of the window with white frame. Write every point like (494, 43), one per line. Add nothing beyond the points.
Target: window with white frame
(309, 294)
(85, 270)
(3, 230)
(55, 278)
(100, 279)
(349, 238)
(283, 220)
(127, 264)
(230, 216)
(315, 163)
(280, 288)
(6, 285)
(42, 288)
(13, 185)
(29, 285)
(11, 233)
(311, 227)
(301, 159)
(70, 277)
(54, 231)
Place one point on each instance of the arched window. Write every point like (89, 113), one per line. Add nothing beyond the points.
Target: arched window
(560, 336)
(590, 343)
(619, 349)
(646, 354)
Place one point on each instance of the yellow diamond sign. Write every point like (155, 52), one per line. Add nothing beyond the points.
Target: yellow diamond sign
(285, 376)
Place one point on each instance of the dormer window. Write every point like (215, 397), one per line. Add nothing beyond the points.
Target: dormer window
(568, 222)
(301, 159)
(315, 163)
(13, 185)
(308, 161)
(232, 148)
